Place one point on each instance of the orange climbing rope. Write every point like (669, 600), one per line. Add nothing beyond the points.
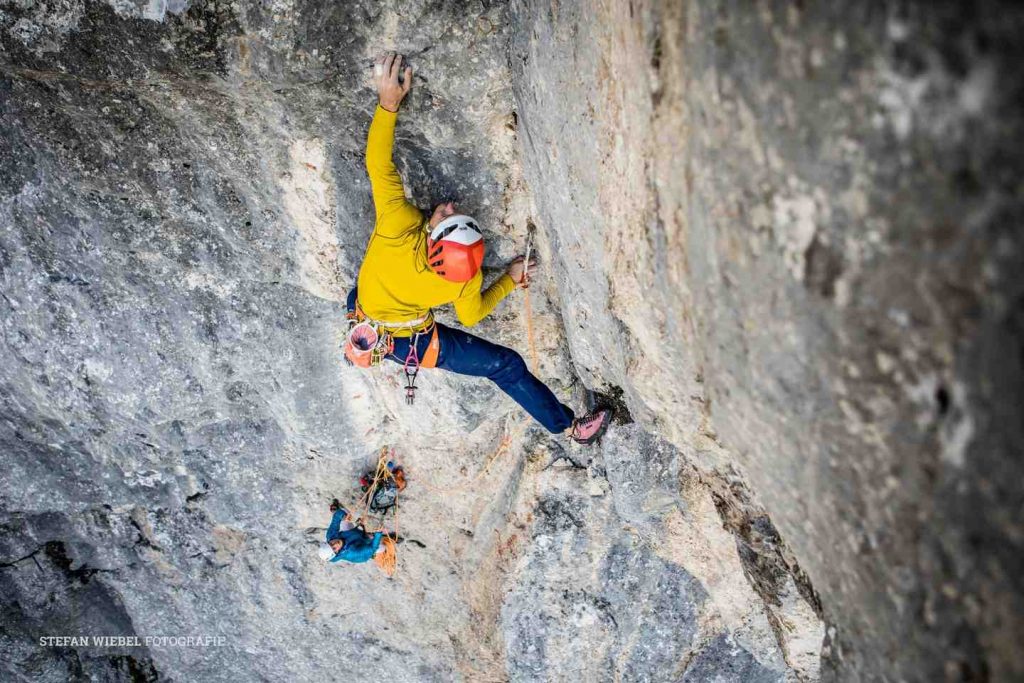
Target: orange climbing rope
(517, 430)
(506, 440)
(527, 311)
(388, 559)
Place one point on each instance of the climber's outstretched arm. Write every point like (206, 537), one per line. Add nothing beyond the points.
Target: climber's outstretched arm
(475, 305)
(336, 520)
(390, 89)
(388, 194)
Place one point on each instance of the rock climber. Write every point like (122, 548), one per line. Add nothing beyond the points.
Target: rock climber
(347, 541)
(414, 263)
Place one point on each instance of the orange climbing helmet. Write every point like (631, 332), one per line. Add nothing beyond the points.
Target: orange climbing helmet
(455, 249)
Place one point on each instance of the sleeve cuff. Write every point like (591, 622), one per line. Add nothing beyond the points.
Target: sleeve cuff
(384, 113)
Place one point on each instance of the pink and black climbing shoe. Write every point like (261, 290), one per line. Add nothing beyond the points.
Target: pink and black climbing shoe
(590, 427)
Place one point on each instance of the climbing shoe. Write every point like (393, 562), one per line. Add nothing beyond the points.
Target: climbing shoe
(590, 427)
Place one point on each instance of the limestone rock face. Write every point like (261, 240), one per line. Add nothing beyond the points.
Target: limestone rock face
(642, 583)
(791, 230)
(782, 244)
(184, 208)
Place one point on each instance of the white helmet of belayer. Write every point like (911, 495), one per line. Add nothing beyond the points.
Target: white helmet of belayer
(455, 249)
(326, 552)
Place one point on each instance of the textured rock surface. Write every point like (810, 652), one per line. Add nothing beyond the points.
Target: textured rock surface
(769, 228)
(184, 204)
(810, 214)
(642, 584)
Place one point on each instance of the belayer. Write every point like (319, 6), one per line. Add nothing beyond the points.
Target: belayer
(414, 263)
(347, 541)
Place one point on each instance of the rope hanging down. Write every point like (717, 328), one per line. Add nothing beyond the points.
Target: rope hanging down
(521, 425)
(527, 311)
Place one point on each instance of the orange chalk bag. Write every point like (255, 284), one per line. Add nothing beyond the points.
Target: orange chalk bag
(368, 342)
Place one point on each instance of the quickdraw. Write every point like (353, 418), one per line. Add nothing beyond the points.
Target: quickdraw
(370, 341)
(411, 368)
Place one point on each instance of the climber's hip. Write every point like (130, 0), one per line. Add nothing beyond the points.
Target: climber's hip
(396, 328)
(428, 347)
(460, 352)
(414, 343)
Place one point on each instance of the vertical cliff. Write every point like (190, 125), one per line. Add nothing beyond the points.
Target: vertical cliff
(782, 240)
(794, 231)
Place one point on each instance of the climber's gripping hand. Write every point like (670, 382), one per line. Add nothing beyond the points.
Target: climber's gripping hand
(521, 272)
(390, 91)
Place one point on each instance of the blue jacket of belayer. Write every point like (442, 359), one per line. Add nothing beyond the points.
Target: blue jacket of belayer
(359, 546)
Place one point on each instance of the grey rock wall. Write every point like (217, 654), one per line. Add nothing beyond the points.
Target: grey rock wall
(184, 205)
(783, 241)
(796, 228)
(630, 575)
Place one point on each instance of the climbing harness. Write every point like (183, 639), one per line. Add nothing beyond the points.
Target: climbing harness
(370, 341)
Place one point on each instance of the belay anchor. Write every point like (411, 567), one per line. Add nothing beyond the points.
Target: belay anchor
(385, 487)
(381, 487)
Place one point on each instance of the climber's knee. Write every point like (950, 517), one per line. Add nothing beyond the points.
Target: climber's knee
(508, 367)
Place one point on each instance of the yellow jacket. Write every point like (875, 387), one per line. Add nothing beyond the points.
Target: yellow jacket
(395, 282)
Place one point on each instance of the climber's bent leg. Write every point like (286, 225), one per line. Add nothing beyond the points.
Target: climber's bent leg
(466, 354)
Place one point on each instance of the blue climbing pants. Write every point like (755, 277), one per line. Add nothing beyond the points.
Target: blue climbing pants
(466, 354)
